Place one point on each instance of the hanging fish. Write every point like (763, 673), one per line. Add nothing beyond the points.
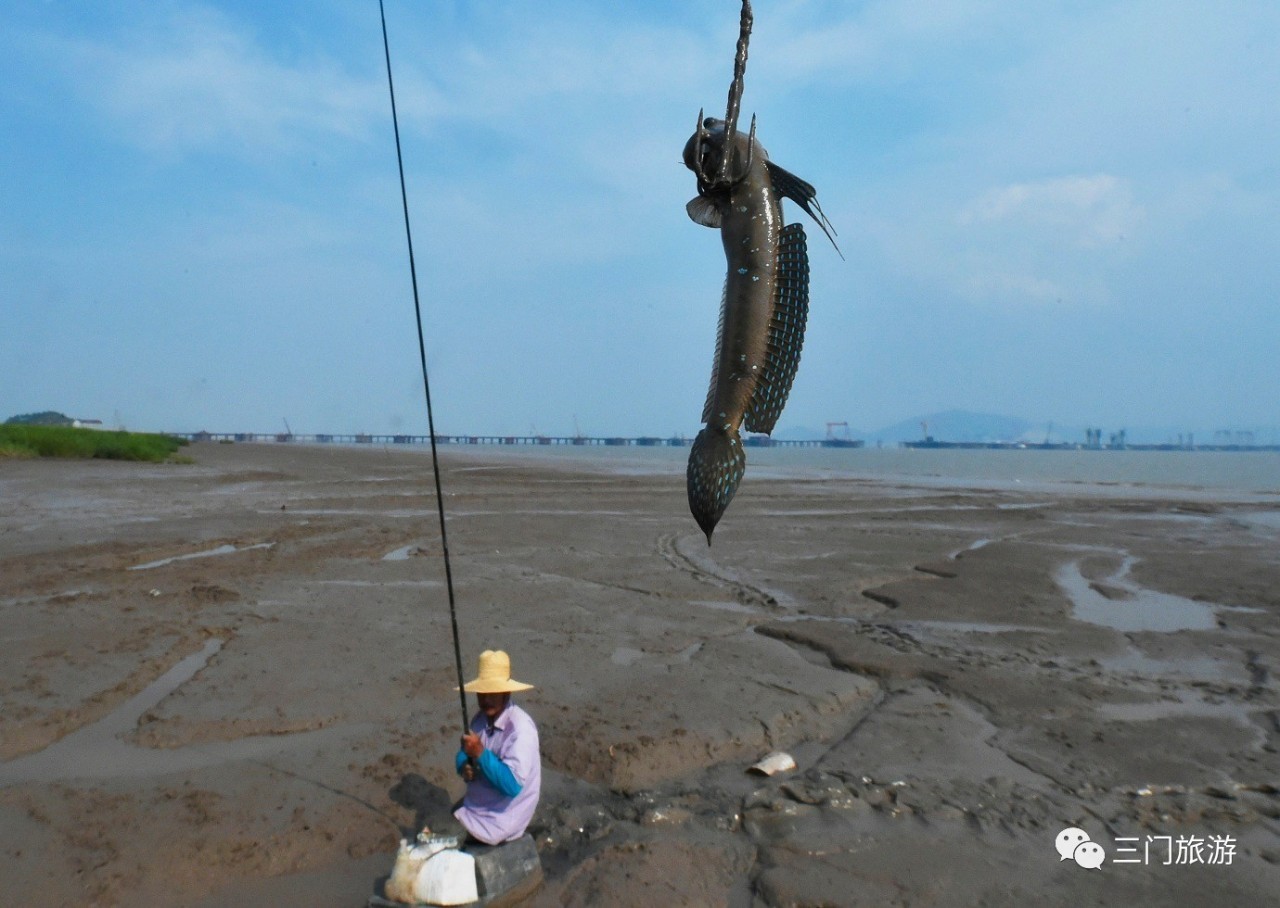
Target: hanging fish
(766, 293)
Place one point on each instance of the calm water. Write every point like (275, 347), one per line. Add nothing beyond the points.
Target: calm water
(1222, 472)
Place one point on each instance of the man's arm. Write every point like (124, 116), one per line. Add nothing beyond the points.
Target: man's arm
(499, 774)
(496, 772)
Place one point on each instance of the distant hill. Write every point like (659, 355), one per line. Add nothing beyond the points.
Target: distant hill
(960, 425)
(43, 418)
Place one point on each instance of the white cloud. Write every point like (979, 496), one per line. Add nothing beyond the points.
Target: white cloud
(883, 41)
(552, 58)
(1086, 210)
(1061, 241)
(1010, 286)
(198, 81)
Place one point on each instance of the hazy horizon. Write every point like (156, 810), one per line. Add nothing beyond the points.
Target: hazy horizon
(950, 426)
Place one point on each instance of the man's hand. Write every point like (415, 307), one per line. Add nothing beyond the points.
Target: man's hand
(471, 746)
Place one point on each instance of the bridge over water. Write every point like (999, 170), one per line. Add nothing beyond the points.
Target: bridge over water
(677, 441)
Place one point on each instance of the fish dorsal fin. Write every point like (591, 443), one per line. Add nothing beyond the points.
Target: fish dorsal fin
(803, 194)
(786, 332)
(704, 211)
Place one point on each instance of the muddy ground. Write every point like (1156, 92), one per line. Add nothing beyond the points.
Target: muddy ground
(960, 673)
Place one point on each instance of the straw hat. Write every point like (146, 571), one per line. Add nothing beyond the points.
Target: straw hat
(495, 675)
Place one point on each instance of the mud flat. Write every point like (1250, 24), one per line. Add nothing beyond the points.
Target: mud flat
(230, 682)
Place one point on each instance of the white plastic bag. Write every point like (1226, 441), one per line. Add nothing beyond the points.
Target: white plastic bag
(447, 878)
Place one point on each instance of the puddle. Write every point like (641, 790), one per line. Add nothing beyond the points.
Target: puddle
(625, 655)
(64, 596)
(1267, 519)
(404, 553)
(829, 619)
(1146, 610)
(917, 629)
(970, 627)
(1134, 662)
(1163, 516)
(97, 752)
(822, 512)
(688, 652)
(415, 583)
(541, 512)
(351, 512)
(736, 607)
(971, 547)
(1186, 704)
(220, 550)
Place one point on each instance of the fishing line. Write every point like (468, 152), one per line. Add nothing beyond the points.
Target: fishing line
(426, 382)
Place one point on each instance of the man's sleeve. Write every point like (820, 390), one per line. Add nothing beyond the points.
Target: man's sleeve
(460, 761)
(521, 752)
(499, 774)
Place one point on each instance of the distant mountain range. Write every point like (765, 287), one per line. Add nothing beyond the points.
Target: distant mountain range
(967, 426)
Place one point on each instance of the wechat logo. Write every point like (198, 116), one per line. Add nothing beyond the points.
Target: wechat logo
(1074, 844)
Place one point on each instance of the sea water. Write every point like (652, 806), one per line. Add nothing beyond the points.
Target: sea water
(1233, 472)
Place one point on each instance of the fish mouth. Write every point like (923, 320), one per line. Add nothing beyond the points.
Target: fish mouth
(705, 154)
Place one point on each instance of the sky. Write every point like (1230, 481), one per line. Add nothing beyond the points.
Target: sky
(1063, 211)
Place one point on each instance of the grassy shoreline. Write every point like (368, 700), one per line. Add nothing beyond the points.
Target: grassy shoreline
(24, 441)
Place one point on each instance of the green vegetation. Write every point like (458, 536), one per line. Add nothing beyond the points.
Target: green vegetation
(43, 418)
(65, 441)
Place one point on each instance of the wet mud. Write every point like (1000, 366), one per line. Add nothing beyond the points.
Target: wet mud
(231, 682)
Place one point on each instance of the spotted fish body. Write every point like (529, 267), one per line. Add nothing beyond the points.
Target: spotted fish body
(762, 313)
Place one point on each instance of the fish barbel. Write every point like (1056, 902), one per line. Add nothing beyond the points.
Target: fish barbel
(764, 307)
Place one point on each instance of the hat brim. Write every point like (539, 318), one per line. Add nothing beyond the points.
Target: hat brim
(495, 686)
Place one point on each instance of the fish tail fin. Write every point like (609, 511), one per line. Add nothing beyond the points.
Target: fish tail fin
(716, 464)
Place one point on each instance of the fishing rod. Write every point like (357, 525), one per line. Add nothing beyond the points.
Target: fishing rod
(426, 382)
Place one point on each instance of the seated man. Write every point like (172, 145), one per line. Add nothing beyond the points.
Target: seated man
(499, 758)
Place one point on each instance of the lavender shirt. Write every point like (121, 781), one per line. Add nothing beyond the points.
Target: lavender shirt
(487, 813)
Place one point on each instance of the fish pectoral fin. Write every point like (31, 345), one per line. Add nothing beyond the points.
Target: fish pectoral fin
(704, 211)
(786, 332)
(803, 194)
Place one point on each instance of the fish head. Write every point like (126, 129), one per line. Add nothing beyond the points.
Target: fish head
(705, 152)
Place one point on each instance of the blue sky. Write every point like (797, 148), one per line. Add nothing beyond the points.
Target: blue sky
(1058, 210)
